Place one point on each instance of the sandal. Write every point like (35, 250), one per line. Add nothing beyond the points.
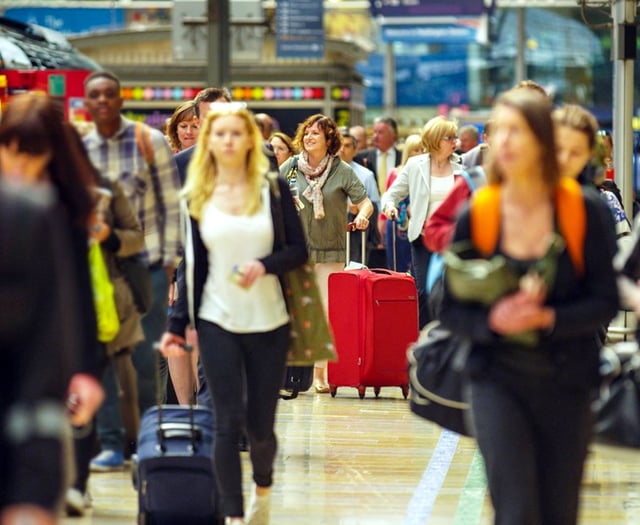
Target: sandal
(321, 388)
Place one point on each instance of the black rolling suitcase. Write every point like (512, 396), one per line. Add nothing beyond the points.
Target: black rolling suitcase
(173, 467)
(296, 379)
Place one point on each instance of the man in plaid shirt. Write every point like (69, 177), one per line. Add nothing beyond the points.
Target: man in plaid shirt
(152, 189)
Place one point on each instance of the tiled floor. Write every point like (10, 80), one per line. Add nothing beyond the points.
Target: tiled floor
(371, 462)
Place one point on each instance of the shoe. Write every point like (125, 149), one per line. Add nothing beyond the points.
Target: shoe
(76, 503)
(107, 461)
(321, 388)
(130, 449)
(259, 509)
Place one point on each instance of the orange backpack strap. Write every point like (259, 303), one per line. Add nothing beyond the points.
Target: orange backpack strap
(143, 140)
(485, 219)
(572, 219)
(570, 209)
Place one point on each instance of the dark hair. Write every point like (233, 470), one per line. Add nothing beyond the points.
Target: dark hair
(185, 111)
(35, 124)
(577, 118)
(389, 122)
(210, 94)
(535, 108)
(286, 139)
(326, 124)
(102, 74)
(351, 137)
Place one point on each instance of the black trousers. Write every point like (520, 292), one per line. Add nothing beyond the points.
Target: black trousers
(533, 435)
(244, 373)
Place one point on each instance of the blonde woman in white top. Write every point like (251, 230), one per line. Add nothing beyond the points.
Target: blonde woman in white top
(425, 179)
(234, 256)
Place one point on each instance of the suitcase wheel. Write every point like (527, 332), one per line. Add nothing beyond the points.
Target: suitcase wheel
(333, 390)
(361, 391)
(405, 391)
(376, 391)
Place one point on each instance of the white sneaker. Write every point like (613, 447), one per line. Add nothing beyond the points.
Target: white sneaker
(259, 509)
(76, 503)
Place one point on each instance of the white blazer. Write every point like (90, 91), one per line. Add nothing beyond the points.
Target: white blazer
(414, 181)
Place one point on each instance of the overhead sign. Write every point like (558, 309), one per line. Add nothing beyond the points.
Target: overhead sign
(426, 8)
(433, 33)
(299, 29)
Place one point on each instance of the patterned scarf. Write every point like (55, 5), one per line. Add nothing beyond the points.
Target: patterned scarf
(315, 177)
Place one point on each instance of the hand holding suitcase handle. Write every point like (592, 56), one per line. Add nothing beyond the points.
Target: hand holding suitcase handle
(173, 345)
(351, 227)
(359, 223)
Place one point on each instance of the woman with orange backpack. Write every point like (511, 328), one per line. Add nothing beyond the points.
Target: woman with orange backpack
(533, 366)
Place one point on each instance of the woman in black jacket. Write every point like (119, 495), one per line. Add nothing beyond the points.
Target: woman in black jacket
(531, 398)
(233, 259)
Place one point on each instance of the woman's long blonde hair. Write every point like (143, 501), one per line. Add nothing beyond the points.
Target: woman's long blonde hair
(202, 173)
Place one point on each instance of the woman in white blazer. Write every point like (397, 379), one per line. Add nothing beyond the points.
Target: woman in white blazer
(426, 179)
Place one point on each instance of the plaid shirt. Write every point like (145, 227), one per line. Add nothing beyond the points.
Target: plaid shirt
(153, 193)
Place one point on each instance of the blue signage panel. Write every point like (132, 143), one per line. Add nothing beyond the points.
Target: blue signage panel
(413, 8)
(421, 80)
(299, 29)
(69, 20)
(445, 33)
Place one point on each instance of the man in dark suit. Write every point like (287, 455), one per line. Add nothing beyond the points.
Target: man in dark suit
(384, 156)
(202, 101)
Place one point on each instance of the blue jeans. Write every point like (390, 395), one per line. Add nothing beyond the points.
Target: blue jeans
(145, 357)
(145, 361)
(244, 374)
(420, 257)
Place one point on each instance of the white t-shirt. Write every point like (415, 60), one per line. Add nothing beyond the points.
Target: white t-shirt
(232, 240)
(440, 188)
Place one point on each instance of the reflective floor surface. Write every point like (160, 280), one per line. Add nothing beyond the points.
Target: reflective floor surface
(347, 461)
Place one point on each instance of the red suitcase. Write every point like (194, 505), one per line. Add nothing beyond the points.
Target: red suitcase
(374, 317)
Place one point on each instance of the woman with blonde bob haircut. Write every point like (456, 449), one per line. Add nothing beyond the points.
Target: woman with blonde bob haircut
(436, 130)
(234, 257)
(426, 179)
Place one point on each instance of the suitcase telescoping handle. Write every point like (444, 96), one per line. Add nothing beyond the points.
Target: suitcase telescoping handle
(394, 225)
(351, 226)
(172, 430)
